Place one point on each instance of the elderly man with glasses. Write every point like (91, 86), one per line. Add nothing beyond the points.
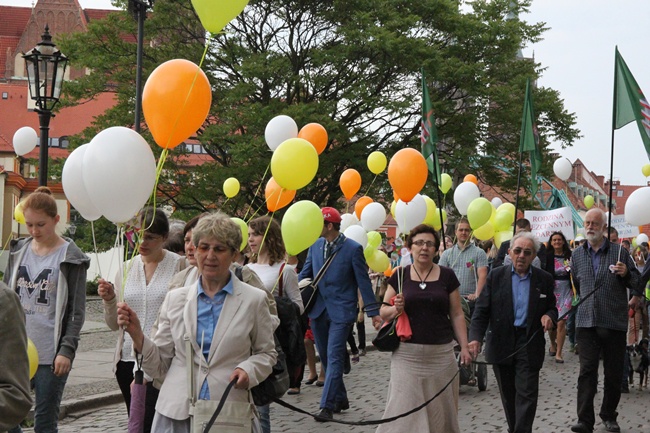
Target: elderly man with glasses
(517, 304)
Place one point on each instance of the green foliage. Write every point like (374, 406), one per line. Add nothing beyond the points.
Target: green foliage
(92, 287)
(351, 65)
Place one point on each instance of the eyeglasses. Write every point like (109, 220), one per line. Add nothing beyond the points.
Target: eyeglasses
(518, 251)
(217, 249)
(421, 243)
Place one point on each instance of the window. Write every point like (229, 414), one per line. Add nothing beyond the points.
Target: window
(619, 193)
(5, 95)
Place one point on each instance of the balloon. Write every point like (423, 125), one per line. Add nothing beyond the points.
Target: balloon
(75, 187)
(215, 14)
(176, 100)
(508, 207)
(32, 355)
(302, 225)
(388, 272)
(471, 178)
(294, 163)
(244, 232)
(436, 219)
(445, 183)
(496, 202)
(485, 232)
(646, 170)
(316, 135)
(19, 216)
(641, 238)
(503, 220)
(479, 212)
(637, 207)
(276, 196)
(361, 204)
(407, 173)
(357, 234)
(119, 170)
(379, 261)
(464, 194)
(25, 140)
(562, 168)
(392, 208)
(373, 216)
(502, 236)
(431, 210)
(374, 239)
(588, 201)
(411, 214)
(347, 220)
(231, 187)
(278, 130)
(377, 162)
(350, 182)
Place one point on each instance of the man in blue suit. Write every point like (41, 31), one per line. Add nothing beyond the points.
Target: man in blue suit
(335, 309)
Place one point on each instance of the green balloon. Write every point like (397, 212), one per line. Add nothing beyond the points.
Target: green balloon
(302, 225)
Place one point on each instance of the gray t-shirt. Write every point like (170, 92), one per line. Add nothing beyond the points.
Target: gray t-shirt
(38, 277)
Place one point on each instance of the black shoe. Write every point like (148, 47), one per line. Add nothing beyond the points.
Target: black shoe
(581, 427)
(612, 426)
(341, 405)
(347, 366)
(324, 415)
(625, 390)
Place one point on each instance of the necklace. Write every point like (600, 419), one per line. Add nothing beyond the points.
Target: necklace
(423, 284)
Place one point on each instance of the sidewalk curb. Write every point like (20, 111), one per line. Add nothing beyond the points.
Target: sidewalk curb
(90, 402)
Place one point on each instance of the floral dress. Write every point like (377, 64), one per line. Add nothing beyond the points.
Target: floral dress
(563, 292)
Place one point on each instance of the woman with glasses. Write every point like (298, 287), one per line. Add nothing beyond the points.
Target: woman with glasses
(425, 364)
(558, 257)
(147, 281)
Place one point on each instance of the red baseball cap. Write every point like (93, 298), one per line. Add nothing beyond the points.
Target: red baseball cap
(331, 215)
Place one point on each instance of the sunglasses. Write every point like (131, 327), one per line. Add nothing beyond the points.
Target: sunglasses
(518, 251)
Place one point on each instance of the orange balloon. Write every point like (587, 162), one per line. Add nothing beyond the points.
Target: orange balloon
(407, 173)
(471, 178)
(316, 135)
(388, 272)
(395, 196)
(350, 182)
(276, 196)
(360, 204)
(176, 100)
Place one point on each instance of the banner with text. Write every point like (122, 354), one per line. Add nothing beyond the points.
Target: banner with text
(545, 222)
(624, 229)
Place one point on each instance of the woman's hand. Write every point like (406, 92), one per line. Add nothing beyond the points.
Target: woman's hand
(106, 290)
(242, 378)
(128, 319)
(399, 303)
(465, 356)
(62, 365)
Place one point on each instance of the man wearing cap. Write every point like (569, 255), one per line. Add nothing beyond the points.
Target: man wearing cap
(335, 309)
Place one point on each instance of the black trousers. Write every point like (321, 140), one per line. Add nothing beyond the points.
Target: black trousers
(519, 388)
(592, 342)
(124, 376)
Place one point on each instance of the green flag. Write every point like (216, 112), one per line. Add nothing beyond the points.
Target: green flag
(429, 134)
(629, 102)
(529, 140)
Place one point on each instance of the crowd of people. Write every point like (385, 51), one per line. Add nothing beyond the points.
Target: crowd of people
(192, 313)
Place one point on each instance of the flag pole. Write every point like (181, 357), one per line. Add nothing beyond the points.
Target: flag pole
(521, 162)
(611, 159)
(438, 191)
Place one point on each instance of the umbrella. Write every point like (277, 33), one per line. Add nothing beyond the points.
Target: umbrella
(138, 396)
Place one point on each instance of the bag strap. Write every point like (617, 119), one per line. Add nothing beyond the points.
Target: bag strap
(189, 350)
(281, 277)
(322, 270)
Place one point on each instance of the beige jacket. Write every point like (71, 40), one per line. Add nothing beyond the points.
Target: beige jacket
(243, 339)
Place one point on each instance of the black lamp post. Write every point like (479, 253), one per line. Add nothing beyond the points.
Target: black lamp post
(138, 9)
(45, 70)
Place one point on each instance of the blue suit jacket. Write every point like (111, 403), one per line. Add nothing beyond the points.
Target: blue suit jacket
(337, 290)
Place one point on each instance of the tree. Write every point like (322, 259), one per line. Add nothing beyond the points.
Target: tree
(351, 65)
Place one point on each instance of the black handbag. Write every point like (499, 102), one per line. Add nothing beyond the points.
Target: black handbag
(309, 288)
(387, 339)
(276, 384)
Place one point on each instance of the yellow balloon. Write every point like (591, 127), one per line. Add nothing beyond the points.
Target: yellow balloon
(215, 14)
(374, 239)
(377, 162)
(509, 207)
(646, 170)
(436, 219)
(445, 183)
(485, 232)
(19, 216)
(502, 236)
(32, 355)
(244, 232)
(379, 261)
(479, 212)
(431, 210)
(588, 201)
(231, 187)
(503, 219)
(294, 163)
(302, 225)
(392, 208)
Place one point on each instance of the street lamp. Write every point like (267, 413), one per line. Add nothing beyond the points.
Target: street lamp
(45, 70)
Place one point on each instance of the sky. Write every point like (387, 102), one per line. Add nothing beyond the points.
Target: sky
(578, 54)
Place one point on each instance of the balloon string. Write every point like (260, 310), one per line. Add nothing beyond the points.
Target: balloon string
(99, 266)
(255, 213)
(371, 184)
(250, 206)
(6, 244)
(224, 203)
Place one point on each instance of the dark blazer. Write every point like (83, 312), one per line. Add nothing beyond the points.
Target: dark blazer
(494, 314)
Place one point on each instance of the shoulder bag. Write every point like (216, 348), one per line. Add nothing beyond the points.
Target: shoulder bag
(309, 288)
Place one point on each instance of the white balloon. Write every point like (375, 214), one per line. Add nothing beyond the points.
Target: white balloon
(347, 220)
(496, 202)
(357, 234)
(641, 238)
(637, 207)
(411, 214)
(279, 129)
(562, 168)
(373, 216)
(25, 140)
(120, 172)
(464, 194)
(75, 187)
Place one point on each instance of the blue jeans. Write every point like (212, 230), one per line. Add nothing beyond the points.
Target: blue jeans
(331, 338)
(48, 389)
(265, 417)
